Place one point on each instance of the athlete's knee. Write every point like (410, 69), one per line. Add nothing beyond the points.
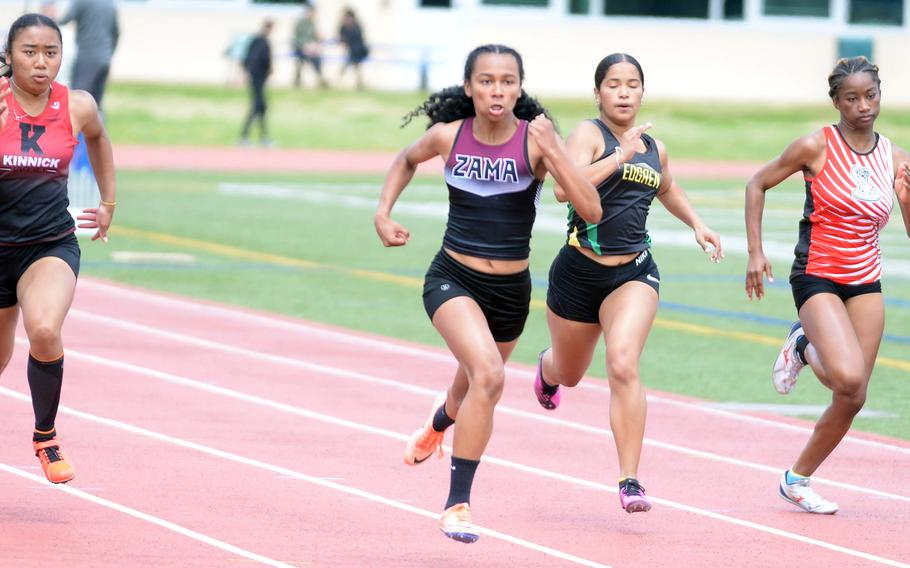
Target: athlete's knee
(622, 370)
(565, 377)
(851, 393)
(43, 337)
(488, 380)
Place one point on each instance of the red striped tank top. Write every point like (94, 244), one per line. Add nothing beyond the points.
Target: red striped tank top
(847, 204)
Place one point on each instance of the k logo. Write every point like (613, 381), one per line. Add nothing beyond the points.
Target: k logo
(863, 190)
(30, 135)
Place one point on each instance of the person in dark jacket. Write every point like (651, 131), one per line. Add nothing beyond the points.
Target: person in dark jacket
(97, 34)
(258, 66)
(351, 35)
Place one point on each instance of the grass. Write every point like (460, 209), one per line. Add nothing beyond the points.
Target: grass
(315, 255)
(349, 120)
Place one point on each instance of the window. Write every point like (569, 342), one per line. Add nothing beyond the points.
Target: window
(516, 2)
(657, 8)
(811, 8)
(877, 12)
(579, 6)
(733, 9)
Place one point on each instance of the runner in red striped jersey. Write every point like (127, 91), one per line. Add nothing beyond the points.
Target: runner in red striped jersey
(852, 175)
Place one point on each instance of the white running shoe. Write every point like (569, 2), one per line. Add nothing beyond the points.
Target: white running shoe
(802, 495)
(788, 364)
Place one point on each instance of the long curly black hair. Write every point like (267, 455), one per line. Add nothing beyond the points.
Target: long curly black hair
(451, 103)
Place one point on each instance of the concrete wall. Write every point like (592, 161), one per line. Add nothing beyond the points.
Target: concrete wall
(777, 62)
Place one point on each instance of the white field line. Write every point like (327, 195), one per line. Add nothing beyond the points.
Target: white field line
(374, 342)
(406, 387)
(575, 481)
(287, 473)
(136, 513)
(548, 222)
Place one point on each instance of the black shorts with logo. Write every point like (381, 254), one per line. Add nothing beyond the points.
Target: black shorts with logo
(504, 298)
(804, 286)
(579, 285)
(15, 260)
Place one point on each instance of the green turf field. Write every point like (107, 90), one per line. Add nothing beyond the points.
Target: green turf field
(197, 115)
(305, 246)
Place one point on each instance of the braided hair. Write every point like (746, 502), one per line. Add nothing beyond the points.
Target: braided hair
(848, 66)
(451, 103)
(22, 22)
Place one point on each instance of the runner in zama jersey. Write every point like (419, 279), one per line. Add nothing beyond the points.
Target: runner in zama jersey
(493, 196)
(497, 145)
(847, 204)
(852, 176)
(39, 253)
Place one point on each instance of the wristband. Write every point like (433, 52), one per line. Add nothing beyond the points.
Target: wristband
(618, 154)
(109, 203)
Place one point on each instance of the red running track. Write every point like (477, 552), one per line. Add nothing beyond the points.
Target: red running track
(205, 435)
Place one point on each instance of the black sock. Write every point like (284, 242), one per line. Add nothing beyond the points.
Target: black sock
(461, 481)
(45, 380)
(801, 343)
(548, 389)
(441, 420)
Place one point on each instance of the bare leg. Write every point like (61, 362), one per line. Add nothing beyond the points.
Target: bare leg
(846, 339)
(8, 319)
(626, 316)
(571, 351)
(464, 328)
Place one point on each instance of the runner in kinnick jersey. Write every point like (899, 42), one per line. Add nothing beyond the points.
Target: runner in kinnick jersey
(39, 254)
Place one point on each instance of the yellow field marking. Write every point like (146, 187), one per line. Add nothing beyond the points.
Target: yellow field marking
(280, 260)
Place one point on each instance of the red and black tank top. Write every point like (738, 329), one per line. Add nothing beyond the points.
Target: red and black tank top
(35, 154)
(847, 204)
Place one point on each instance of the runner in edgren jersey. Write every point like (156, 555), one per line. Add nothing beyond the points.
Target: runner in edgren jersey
(39, 253)
(852, 174)
(604, 282)
(497, 145)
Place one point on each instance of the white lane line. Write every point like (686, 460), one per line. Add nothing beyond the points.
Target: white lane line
(575, 481)
(138, 514)
(369, 379)
(194, 446)
(215, 310)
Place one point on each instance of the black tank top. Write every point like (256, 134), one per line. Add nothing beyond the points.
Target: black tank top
(626, 199)
(493, 196)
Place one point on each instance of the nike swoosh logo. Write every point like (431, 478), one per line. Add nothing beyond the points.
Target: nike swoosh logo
(652, 279)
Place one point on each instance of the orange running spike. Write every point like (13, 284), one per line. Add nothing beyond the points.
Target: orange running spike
(57, 469)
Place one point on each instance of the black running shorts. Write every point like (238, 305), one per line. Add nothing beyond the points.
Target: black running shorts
(504, 298)
(15, 260)
(804, 286)
(579, 285)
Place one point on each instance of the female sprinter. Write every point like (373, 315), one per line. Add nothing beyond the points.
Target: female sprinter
(605, 281)
(852, 174)
(498, 145)
(39, 254)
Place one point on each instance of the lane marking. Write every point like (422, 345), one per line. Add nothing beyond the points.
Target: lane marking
(322, 482)
(134, 512)
(282, 360)
(429, 514)
(501, 408)
(385, 344)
